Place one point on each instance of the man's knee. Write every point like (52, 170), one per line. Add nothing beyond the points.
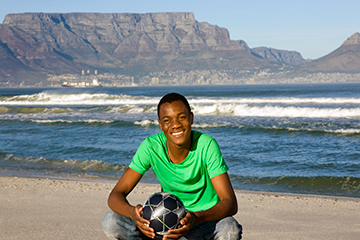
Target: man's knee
(229, 228)
(116, 226)
(109, 224)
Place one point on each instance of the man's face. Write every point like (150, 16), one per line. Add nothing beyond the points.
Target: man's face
(175, 121)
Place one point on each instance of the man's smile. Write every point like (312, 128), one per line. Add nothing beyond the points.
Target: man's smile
(177, 134)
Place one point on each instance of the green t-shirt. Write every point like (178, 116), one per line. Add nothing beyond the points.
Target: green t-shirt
(188, 180)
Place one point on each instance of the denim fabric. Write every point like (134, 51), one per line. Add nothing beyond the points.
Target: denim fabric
(117, 226)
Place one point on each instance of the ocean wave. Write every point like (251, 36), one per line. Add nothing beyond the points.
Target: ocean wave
(54, 98)
(322, 185)
(32, 110)
(278, 100)
(242, 110)
(146, 122)
(315, 129)
(292, 107)
(245, 110)
(48, 121)
(41, 164)
(47, 98)
(250, 126)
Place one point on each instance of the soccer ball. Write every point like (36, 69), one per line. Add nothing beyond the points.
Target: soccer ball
(164, 211)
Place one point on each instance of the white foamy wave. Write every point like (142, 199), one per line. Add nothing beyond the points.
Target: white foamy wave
(45, 98)
(131, 109)
(245, 110)
(72, 121)
(344, 131)
(146, 122)
(211, 125)
(336, 131)
(271, 111)
(280, 100)
(54, 98)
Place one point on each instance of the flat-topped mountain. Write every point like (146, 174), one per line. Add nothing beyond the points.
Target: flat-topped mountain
(120, 42)
(36, 45)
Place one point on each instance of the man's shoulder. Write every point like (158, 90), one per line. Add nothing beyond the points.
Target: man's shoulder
(202, 140)
(156, 139)
(201, 136)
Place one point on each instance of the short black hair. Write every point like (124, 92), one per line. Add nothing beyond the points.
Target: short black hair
(172, 97)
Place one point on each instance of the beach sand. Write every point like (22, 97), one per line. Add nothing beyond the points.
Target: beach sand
(58, 208)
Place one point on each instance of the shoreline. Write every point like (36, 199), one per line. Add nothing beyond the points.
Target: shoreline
(100, 179)
(71, 208)
(80, 177)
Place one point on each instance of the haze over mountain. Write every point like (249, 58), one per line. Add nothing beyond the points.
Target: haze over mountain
(33, 45)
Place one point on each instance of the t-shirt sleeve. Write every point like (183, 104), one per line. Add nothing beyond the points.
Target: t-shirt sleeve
(215, 162)
(141, 160)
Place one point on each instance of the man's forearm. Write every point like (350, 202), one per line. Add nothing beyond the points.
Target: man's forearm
(225, 208)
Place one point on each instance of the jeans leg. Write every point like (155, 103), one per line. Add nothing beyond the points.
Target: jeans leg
(116, 226)
(225, 229)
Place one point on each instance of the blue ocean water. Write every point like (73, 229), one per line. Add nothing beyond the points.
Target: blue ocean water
(281, 138)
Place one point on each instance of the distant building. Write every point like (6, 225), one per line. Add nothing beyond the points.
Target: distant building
(155, 81)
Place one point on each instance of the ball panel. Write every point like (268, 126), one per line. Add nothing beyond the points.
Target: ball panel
(146, 213)
(171, 220)
(157, 225)
(170, 203)
(156, 199)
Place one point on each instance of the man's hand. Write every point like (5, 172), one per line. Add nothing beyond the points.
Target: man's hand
(142, 223)
(187, 222)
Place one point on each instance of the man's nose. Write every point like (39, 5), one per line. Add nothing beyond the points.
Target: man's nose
(175, 123)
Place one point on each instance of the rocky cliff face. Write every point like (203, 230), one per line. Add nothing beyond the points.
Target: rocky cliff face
(129, 43)
(289, 57)
(353, 40)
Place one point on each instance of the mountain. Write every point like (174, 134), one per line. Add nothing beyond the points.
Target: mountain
(36, 45)
(345, 59)
(42, 43)
(289, 57)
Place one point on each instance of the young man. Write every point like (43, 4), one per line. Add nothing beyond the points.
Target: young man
(188, 164)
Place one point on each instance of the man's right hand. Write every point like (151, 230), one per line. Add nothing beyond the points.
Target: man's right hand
(142, 223)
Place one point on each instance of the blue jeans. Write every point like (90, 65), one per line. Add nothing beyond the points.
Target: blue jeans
(117, 226)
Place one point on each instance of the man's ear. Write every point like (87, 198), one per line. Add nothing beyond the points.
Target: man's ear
(160, 124)
(192, 117)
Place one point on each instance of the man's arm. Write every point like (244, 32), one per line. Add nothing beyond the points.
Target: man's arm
(118, 203)
(226, 207)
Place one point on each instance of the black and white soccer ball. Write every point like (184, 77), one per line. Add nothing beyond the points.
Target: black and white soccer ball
(164, 211)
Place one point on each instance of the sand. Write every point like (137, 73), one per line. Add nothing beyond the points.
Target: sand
(58, 208)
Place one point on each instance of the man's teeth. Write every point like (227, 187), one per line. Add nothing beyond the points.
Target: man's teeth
(177, 133)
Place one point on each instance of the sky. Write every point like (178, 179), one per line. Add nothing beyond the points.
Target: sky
(312, 27)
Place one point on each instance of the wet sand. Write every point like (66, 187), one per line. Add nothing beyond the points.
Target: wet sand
(60, 208)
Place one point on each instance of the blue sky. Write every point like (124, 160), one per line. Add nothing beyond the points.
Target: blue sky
(312, 27)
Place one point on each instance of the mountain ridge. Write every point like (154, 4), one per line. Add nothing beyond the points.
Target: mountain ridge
(36, 45)
(114, 42)
(345, 59)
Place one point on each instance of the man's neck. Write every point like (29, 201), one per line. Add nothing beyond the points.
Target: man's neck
(177, 154)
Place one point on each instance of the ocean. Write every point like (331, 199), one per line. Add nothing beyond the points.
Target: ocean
(274, 138)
